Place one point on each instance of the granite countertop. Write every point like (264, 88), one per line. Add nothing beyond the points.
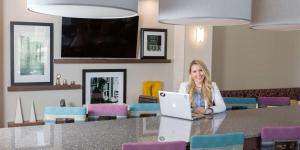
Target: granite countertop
(111, 134)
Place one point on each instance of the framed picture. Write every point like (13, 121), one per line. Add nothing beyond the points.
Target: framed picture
(103, 86)
(153, 43)
(31, 53)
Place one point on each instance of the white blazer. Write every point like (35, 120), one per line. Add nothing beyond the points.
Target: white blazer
(219, 105)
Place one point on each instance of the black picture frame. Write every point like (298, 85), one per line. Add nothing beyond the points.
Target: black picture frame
(31, 56)
(153, 43)
(106, 92)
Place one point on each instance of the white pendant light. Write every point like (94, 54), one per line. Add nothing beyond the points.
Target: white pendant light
(276, 15)
(205, 12)
(85, 8)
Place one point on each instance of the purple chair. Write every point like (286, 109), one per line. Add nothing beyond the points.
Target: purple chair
(273, 101)
(107, 111)
(278, 137)
(175, 145)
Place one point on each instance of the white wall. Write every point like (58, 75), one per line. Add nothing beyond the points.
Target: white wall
(249, 59)
(196, 50)
(15, 10)
(178, 67)
(2, 64)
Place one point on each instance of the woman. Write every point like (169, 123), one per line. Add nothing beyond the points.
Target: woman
(205, 96)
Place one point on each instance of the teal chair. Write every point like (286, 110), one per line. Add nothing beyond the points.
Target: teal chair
(52, 113)
(227, 141)
(144, 109)
(234, 103)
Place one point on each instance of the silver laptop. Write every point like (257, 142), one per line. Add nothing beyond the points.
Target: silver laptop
(174, 129)
(176, 105)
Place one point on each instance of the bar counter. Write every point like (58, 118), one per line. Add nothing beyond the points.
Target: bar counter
(110, 134)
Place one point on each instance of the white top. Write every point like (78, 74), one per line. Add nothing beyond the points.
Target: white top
(216, 96)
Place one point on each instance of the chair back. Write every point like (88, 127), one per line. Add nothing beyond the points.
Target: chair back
(52, 113)
(279, 137)
(174, 145)
(227, 141)
(151, 88)
(233, 103)
(109, 110)
(144, 109)
(273, 101)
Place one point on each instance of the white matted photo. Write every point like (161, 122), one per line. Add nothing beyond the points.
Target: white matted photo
(31, 53)
(153, 43)
(104, 86)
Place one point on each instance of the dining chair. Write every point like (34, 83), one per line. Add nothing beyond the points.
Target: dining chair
(151, 88)
(144, 109)
(54, 113)
(107, 111)
(235, 103)
(280, 138)
(273, 101)
(227, 141)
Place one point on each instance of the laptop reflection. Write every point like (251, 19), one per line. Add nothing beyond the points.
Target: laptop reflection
(174, 129)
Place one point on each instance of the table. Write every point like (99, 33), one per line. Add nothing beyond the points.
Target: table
(109, 135)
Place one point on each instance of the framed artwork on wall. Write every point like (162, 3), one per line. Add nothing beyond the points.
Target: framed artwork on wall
(31, 53)
(153, 43)
(103, 86)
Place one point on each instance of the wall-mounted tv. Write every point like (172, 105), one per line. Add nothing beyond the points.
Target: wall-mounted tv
(99, 38)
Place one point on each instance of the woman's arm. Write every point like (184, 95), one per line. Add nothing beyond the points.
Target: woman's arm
(218, 100)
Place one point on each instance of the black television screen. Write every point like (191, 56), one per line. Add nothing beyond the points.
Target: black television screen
(102, 38)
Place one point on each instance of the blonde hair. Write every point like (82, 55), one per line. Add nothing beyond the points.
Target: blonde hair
(206, 84)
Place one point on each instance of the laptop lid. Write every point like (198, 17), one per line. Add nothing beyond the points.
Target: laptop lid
(175, 104)
(174, 129)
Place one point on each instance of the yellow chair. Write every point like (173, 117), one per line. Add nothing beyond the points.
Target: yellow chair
(151, 88)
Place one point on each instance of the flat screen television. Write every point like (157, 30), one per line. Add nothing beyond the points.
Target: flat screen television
(99, 38)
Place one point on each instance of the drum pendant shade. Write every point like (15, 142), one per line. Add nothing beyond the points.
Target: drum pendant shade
(281, 15)
(205, 12)
(85, 8)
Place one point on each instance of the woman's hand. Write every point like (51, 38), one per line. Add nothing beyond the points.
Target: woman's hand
(199, 110)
